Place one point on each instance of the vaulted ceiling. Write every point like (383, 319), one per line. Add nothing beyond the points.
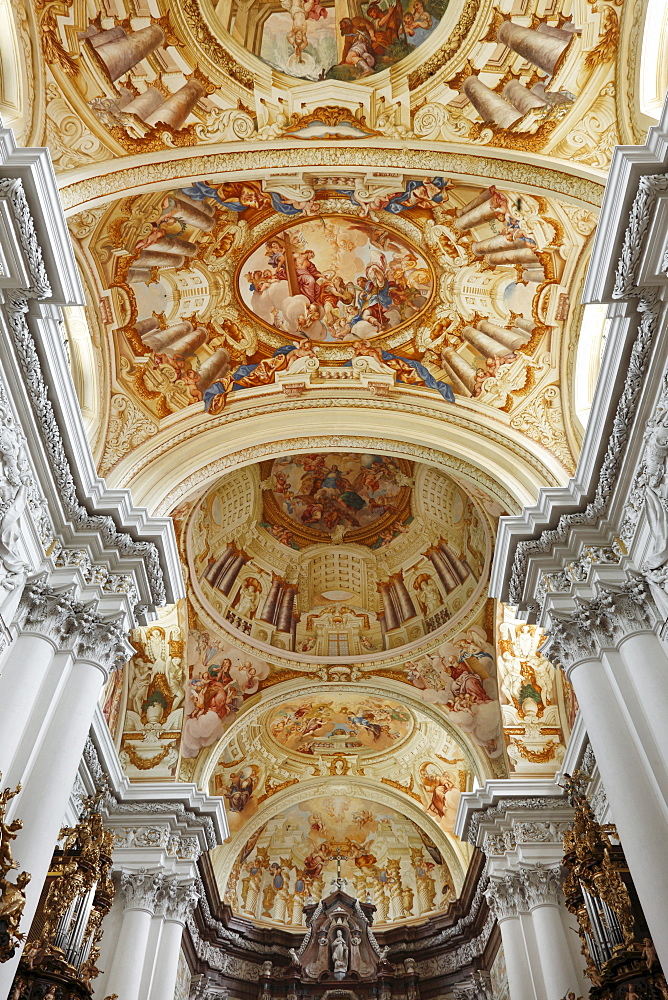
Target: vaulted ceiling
(332, 252)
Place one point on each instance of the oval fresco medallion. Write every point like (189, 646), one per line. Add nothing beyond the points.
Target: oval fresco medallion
(340, 724)
(335, 279)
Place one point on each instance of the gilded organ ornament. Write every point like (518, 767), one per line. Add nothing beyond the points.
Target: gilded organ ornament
(621, 960)
(12, 894)
(63, 945)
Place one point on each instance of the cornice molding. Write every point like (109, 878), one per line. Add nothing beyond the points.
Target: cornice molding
(614, 433)
(183, 806)
(499, 797)
(44, 277)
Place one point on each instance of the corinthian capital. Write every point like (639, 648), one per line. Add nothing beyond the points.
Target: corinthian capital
(69, 624)
(599, 623)
(176, 900)
(140, 889)
(505, 895)
(103, 641)
(566, 642)
(43, 609)
(541, 886)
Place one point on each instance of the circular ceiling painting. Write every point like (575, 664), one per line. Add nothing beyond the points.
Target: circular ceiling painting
(337, 39)
(339, 724)
(335, 279)
(315, 498)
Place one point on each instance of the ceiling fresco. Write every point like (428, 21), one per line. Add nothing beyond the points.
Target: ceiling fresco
(362, 498)
(327, 40)
(337, 725)
(337, 554)
(461, 292)
(333, 253)
(335, 279)
(296, 855)
(535, 77)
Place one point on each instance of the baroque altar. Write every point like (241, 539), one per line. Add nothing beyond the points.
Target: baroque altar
(338, 957)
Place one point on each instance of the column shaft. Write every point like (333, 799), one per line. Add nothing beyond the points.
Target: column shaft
(512, 339)
(21, 681)
(519, 254)
(488, 347)
(144, 103)
(520, 984)
(459, 370)
(521, 98)
(646, 662)
(404, 598)
(490, 106)
(488, 205)
(460, 569)
(167, 960)
(214, 573)
(157, 340)
(121, 54)
(269, 609)
(537, 47)
(481, 247)
(130, 955)
(442, 566)
(47, 785)
(388, 607)
(159, 258)
(193, 212)
(559, 975)
(37, 722)
(230, 574)
(176, 108)
(215, 367)
(145, 326)
(284, 617)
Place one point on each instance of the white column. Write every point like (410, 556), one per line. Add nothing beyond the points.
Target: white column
(40, 615)
(52, 765)
(542, 887)
(639, 810)
(505, 899)
(140, 890)
(177, 901)
(646, 663)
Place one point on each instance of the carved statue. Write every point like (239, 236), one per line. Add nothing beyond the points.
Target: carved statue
(340, 952)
